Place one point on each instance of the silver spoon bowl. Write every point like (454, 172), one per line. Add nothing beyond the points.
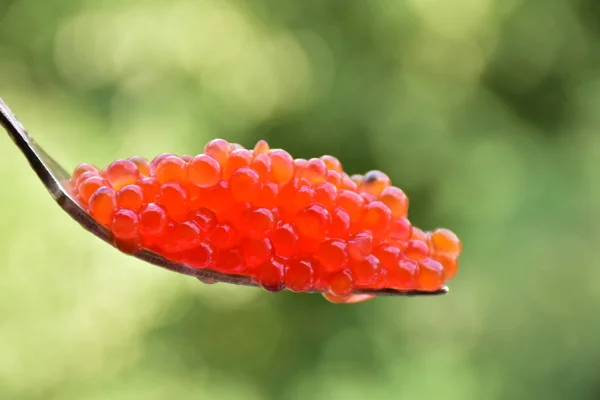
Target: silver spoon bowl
(57, 182)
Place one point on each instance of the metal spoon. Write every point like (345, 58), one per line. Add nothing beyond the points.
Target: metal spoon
(56, 180)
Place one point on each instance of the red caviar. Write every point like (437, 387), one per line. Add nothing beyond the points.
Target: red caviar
(333, 255)
(173, 198)
(125, 224)
(219, 150)
(270, 275)
(299, 275)
(89, 186)
(142, 165)
(332, 163)
(282, 166)
(352, 203)
(203, 171)
(244, 184)
(83, 168)
(152, 220)
(102, 205)
(297, 224)
(130, 197)
(171, 169)
(374, 182)
(262, 166)
(122, 173)
(285, 240)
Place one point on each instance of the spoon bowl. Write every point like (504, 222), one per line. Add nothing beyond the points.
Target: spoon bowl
(57, 181)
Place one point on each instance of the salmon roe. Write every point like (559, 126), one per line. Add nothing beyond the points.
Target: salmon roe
(297, 224)
(121, 173)
(203, 171)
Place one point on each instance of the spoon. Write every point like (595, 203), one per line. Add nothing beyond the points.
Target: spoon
(57, 182)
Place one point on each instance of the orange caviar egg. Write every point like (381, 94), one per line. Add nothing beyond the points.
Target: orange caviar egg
(152, 220)
(352, 203)
(261, 147)
(340, 223)
(237, 159)
(81, 169)
(282, 166)
(445, 242)
(450, 264)
(131, 197)
(89, 186)
(360, 246)
(270, 275)
(348, 183)
(205, 219)
(150, 188)
(431, 274)
(368, 197)
(401, 230)
(333, 255)
(416, 250)
(229, 261)
(396, 200)
(326, 194)
(244, 184)
(224, 236)
(157, 161)
(341, 283)
(388, 255)
(186, 235)
(204, 171)
(303, 225)
(366, 272)
(332, 163)
(88, 174)
(303, 197)
(201, 256)
(219, 150)
(125, 224)
(295, 196)
(122, 173)
(299, 165)
(258, 223)
(256, 251)
(313, 221)
(314, 171)
(404, 276)
(172, 198)
(171, 169)
(267, 197)
(262, 165)
(418, 234)
(102, 205)
(357, 179)
(374, 182)
(299, 275)
(142, 165)
(334, 178)
(376, 218)
(285, 240)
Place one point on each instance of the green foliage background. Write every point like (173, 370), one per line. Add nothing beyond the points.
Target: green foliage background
(483, 111)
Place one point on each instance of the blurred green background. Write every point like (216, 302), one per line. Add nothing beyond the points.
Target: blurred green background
(484, 111)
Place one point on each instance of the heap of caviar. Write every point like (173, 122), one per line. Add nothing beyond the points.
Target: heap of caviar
(296, 224)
